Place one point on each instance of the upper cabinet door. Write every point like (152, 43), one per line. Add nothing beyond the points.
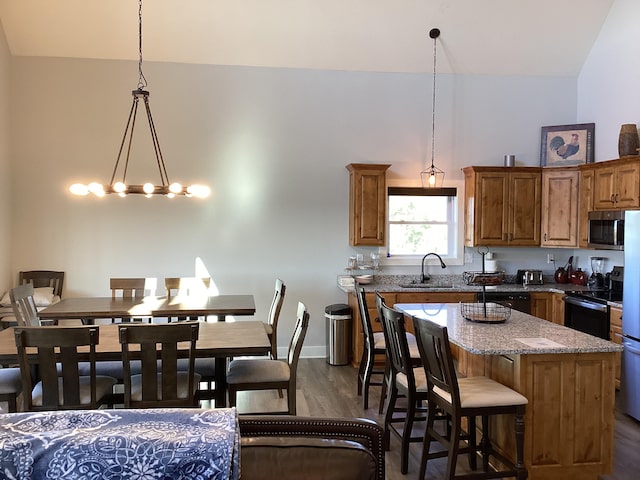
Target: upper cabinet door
(367, 204)
(502, 206)
(617, 185)
(560, 200)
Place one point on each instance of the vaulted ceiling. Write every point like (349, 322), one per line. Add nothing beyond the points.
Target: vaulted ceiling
(502, 37)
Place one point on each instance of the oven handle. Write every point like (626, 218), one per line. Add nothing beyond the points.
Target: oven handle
(585, 304)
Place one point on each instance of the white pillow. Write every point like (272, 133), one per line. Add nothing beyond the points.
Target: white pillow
(42, 296)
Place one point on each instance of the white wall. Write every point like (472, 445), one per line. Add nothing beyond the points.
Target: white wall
(5, 179)
(608, 91)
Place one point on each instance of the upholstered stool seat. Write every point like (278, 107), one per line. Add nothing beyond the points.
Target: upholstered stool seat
(257, 370)
(104, 386)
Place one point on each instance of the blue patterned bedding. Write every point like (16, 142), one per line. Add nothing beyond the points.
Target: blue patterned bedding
(154, 444)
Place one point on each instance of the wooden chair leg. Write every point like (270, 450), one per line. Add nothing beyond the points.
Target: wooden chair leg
(454, 445)
(406, 434)
(390, 405)
(384, 389)
(471, 426)
(426, 442)
(485, 443)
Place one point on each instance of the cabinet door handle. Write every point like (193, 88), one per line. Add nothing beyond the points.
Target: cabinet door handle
(545, 237)
(613, 198)
(616, 198)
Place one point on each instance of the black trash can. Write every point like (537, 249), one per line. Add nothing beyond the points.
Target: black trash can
(338, 329)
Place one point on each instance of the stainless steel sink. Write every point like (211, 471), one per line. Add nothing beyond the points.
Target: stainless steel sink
(426, 285)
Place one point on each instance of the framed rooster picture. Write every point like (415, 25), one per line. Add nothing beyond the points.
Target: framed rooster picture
(563, 145)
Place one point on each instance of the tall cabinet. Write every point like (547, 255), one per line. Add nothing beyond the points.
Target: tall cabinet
(560, 200)
(502, 206)
(367, 204)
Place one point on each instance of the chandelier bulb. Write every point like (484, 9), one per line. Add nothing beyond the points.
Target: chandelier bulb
(432, 179)
(175, 187)
(119, 187)
(79, 189)
(148, 188)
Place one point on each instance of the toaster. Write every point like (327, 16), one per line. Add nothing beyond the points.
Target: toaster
(532, 277)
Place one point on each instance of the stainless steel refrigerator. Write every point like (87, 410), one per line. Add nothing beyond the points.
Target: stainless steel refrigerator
(630, 380)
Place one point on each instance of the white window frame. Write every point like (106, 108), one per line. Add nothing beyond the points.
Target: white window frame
(457, 244)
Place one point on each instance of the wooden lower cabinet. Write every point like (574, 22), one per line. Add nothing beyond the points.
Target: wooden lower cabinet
(570, 416)
(548, 306)
(391, 298)
(615, 334)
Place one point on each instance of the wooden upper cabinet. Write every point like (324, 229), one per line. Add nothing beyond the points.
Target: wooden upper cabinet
(367, 204)
(502, 206)
(585, 205)
(617, 184)
(560, 207)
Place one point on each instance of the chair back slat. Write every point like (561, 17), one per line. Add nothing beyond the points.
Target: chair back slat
(43, 278)
(24, 306)
(57, 354)
(186, 286)
(435, 352)
(393, 326)
(159, 351)
(132, 287)
(365, 319)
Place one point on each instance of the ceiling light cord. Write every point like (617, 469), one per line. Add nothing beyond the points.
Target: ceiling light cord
(142, 81)
(432, 175)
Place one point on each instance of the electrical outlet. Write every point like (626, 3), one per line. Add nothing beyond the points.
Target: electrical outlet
(550, 258)
(468, 257)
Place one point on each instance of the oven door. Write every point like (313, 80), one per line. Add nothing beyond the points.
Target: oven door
(586, 316)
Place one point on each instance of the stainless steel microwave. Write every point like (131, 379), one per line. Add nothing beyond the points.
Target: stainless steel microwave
(606, 229)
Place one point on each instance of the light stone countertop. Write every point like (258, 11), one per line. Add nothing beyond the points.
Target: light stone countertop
(500, 338)
(454, 283)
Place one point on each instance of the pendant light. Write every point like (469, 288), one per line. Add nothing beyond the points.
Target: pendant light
(433, 176)
(120, 187)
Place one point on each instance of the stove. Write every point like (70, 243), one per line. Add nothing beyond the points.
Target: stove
(588, 311)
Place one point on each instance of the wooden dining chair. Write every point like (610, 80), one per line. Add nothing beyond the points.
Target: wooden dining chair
(57, 354)
(246, 374)
(405, 379)
(43, 278)
(469, 398)
(271, 325)
(160, 383)
(24, 306)
(186, 287)
(374, 345)
(132, 288)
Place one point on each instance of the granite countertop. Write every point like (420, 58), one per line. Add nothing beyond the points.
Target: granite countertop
(454, 283)
(540, 335)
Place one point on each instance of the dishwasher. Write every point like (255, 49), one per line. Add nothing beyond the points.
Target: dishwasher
(515, 300)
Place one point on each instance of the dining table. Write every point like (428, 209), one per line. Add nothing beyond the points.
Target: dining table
(219, 340)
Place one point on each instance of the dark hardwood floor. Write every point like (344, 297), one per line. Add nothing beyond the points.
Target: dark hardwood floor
(325, 390)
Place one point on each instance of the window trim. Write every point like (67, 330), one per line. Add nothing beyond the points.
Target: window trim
(458, 255)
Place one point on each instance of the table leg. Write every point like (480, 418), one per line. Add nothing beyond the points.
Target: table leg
(220, 395)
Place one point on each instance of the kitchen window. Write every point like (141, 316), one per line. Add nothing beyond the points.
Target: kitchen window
(420, 221)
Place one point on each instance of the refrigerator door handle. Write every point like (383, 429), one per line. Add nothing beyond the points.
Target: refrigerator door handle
(628, 347)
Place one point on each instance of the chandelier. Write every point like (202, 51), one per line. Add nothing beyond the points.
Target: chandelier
(433, 176)
(120, 186)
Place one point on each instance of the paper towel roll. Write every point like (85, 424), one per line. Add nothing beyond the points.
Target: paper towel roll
(490, 266)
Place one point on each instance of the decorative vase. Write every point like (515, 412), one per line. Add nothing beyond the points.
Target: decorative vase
(628, 141)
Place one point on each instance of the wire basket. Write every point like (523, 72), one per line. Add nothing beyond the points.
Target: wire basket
(483, 278)
(485, 312)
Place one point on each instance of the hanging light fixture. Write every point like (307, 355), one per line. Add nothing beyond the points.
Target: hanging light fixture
(433, 176)
(121, 187)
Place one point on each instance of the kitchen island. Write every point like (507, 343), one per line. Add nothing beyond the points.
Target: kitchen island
(567, 376)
